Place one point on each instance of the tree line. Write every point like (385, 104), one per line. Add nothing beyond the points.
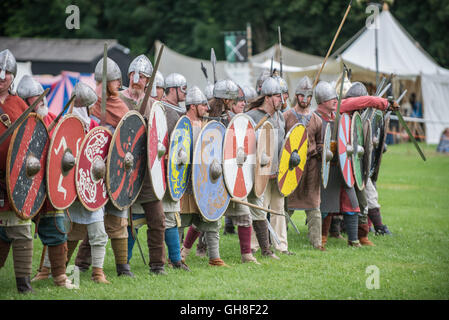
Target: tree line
(192, 27)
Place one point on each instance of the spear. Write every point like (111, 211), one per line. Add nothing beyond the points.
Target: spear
(143, 105)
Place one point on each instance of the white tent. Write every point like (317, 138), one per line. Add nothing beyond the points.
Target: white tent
(398, 53)
(189, 67)
(242, 73)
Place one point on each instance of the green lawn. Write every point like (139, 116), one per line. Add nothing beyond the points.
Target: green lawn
(413, 264)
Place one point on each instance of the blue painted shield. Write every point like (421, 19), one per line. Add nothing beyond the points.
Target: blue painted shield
(180, 158)
(209, 190)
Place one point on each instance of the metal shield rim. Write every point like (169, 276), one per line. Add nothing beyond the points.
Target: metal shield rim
(345, 116)
(266, 180)
(77, 165)
(8, 164)
(150, 119)
(55, 131)
(197, 145)
(227, 184)
(170, 152)
(367, 156)
(108, 162)
(386, 123)
(287, 136)
(354, 158)
(324, 163)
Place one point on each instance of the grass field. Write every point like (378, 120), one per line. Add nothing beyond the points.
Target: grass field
(412, 264)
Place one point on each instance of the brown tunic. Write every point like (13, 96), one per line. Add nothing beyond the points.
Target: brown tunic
(307, 194)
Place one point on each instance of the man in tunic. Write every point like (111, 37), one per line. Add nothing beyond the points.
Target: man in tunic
(197, 108)
(269, 104)
(87, 224)
(50, 222)
(307, 194)
(14, 231)
(115, 220)
(357, 98)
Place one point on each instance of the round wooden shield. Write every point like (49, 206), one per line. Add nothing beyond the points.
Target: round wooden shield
(208, 184)
(90, 175)
(239, 156)
(293, 159)
(25, 167)
(381, 146)
(345, 149)
(65, 144)
(326, 156)
(157, 148)
(358, 144)
(265, 151)
(377, 130)
(180, 158)
(368, 150)
(127, 160)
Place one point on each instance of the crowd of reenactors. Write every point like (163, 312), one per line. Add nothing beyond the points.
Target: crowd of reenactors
(172, 157)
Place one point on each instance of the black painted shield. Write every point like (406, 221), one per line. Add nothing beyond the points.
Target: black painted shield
(25, 167)
(127, 160)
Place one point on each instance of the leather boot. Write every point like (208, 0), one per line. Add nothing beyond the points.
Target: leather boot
(217, 262)
(24, 285)
(180, 265)
(355, 244)
(58, 257)
(261, 230)
(184, 253)
(158, 270)
(42, 275)
(363, 230)
(248, 257)
(124, 270)
(382, 230)
(98, 276)
(323, 240)
(120, 249)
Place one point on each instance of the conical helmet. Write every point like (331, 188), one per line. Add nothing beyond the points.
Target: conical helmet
(304, 87)
(7, 63)
(140, 64)
(356, 90)
(324, 92)
(195, 96)
(28, 87)
(174, 80)
(270, 87)
(226, 89)
(113, 71)
(85, 95)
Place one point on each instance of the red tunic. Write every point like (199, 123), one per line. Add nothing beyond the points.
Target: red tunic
(357, 103)
(13, 106)
(115, 110)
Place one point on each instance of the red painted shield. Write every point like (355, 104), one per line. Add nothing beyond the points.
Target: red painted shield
(239, 156)
(25, 167)
(64, 145)
(90, 185)
(345, 149)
